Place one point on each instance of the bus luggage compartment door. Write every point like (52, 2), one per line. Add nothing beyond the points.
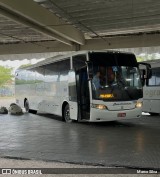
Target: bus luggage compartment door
(73, 105)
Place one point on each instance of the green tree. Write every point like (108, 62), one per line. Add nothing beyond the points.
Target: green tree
(139, 59)
(5, 75)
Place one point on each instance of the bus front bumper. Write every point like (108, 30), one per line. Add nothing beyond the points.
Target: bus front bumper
(98, 115)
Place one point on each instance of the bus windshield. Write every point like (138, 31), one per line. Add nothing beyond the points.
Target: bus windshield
(115, 80)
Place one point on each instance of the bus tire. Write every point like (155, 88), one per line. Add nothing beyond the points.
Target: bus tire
(66, 114)
(26, 106)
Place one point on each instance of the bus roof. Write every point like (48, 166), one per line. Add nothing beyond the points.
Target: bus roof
(62, 57)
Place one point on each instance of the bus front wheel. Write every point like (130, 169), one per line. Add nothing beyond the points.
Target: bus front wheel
(66, 114)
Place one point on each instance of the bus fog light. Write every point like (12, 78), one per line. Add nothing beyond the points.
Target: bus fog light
(99, 106)
(139, 104)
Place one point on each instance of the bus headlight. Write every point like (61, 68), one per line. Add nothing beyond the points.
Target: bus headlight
(139, 104)
(99, 106)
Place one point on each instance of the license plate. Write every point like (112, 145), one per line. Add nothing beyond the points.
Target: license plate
(122, 114)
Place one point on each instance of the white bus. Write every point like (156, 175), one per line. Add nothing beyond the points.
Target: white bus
(151, 102)
(64, 86)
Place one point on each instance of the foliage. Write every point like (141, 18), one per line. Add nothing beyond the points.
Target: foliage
(5, 75)
(139, 59)
(22, 81)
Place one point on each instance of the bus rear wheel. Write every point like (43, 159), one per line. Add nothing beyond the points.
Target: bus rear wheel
(26, 106)
(66, 114)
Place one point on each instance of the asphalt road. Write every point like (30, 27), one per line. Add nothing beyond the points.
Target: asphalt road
(128, 143)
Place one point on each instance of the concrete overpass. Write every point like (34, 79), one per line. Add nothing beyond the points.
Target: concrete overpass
(42, 26)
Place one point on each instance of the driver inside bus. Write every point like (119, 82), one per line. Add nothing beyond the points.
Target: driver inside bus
(96, 81)
(111, 76)
(111, 79)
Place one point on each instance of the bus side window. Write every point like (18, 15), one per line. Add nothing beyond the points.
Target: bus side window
(155, 79)
(64, 67)
(152, 80)
(158, 77)
(30, 76)
(51, 72)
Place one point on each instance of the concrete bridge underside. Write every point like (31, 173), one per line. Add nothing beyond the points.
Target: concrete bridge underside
(46, 26)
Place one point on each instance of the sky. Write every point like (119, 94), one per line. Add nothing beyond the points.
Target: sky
(17, 63)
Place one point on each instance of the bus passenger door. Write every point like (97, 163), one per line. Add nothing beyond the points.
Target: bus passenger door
(83, 93)
(73, 105)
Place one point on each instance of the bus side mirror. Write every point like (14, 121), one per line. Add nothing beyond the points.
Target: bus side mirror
(142, 72)
(90, 70)
(147, 72)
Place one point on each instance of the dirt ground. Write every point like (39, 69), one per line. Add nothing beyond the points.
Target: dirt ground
(6, 101)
